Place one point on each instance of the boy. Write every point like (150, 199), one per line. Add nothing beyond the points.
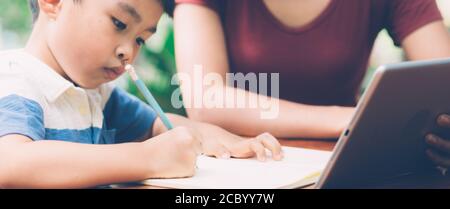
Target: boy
(63, 126)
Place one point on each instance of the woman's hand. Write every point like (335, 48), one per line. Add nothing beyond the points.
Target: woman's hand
(220, 143)
(439, 151)
(223, 144)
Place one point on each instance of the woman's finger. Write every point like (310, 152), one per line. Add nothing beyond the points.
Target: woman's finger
(438, 159)
(438, 143)
(199, 148)
(221, 152)
(215, 149)
(444, 120)
(257, 147)
(271, 143)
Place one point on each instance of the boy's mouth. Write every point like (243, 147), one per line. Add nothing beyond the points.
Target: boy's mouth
(113, 72)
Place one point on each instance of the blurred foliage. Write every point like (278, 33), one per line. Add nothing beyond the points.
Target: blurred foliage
(15, 16)
(159, 57)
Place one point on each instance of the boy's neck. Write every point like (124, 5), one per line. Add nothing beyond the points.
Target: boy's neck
(37, 46)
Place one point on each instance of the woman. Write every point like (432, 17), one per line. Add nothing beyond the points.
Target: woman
(320, 48)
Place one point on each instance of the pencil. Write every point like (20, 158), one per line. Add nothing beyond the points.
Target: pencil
(148, 96)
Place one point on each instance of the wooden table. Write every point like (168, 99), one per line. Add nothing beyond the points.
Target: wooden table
(431, 179)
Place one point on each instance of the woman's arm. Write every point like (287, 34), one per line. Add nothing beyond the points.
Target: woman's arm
(199, 39)
(428, 42)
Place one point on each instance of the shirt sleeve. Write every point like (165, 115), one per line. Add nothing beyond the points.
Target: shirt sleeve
(22, 116)
(406, 16)
(212, 4)
(130, 117)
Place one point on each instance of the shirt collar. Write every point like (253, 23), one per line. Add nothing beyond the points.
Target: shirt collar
(52, 84)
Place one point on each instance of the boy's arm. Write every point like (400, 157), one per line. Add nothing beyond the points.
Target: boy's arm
(56, 164)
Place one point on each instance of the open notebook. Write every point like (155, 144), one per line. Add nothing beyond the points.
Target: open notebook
(299, 168)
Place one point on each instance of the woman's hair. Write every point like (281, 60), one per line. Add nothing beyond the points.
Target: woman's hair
(168, 5)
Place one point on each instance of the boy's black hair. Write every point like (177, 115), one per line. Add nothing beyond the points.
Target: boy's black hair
(34, 9)
(169, 6)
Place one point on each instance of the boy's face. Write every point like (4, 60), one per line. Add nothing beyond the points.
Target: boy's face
(91, 40)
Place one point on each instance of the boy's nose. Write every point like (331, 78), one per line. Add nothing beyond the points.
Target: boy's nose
(124, 53)
(122, 57)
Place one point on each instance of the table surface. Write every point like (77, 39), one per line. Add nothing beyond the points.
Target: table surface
(431, 180)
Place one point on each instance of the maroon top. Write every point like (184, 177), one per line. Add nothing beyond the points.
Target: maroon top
(324, 62)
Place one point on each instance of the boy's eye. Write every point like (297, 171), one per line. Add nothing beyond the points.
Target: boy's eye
(140, 41)
(119, 24)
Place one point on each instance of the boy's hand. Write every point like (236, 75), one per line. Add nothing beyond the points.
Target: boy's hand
(173, 154)
(223, 144)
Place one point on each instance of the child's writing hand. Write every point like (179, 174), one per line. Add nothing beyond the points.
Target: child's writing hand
(173, 154)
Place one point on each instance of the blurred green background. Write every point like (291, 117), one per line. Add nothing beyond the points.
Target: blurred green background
(157, 57)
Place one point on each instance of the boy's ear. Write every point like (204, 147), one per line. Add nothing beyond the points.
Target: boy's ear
(50, 8)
